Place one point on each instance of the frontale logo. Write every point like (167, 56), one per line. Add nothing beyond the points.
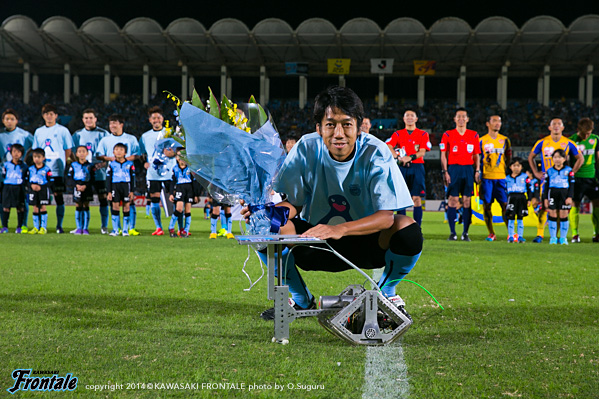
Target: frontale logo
(56, 383)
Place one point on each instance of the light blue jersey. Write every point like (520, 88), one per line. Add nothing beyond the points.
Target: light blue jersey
(106, 145)
(333, 192)
(54, 141)
(91, 139)
(17, 136)
(161, 167)
(518, 184)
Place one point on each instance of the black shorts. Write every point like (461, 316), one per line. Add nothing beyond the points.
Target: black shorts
(557, 199)
(86, 195)
(219, 204)
(154, 186)
(100, 187)
(39, 198)
(585, 186)
(120, 192)
(59, 187)
(362, 251)
(184, 193)
(13, 196)
(516, 206)
(415, 178)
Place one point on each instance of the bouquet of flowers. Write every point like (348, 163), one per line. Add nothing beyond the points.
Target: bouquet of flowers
(235, 152)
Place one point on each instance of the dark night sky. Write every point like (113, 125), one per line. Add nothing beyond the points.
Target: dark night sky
(338, 12)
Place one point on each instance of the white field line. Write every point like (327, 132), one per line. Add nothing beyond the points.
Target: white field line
(385, 373)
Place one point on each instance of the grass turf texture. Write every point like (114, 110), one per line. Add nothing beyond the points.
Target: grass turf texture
(520, 320)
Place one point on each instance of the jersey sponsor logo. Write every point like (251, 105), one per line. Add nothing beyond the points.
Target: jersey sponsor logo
(455, 148)
(469, 147)
(548, 151)
(355, 190)
(591, 141)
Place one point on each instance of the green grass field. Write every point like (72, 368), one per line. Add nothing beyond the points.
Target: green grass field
(519, 320)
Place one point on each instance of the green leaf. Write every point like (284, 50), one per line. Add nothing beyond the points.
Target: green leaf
(196, 101)
(214, 106)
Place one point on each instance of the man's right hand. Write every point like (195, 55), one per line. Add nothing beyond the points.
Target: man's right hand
(245, 211)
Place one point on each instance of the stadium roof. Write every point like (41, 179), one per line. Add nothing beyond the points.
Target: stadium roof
(483, 49)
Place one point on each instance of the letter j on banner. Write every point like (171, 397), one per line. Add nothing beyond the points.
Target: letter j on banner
(338, 66)
(426, 68)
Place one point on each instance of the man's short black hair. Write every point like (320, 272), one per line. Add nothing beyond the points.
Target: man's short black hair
(117, 117)
(461, 109)
(341, 98)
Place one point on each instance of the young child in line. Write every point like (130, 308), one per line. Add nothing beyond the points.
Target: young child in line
(185, 193)
(81, 177)
(13, 190)
(40, 187)
(120, 182)
(558, 197)
(519, 196)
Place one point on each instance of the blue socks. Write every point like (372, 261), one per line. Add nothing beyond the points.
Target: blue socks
(396, 268)
(133, 217)
(155, 209)
(564, 225)
(104, 212)
(467, 218)
(187, 222)
(59, 215)
(510, 227)
(299, 292)
(451, 217)
(213, 222)
(417, 215)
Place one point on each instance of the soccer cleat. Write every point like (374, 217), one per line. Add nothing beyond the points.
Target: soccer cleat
(229, 236)
(42, 231)
(172, 233)
(452, 237)
(114, 233)
(213, 236)
(104, 230)
(465, 237)
(33, 231)
(4, 230)
(510, 239)
(85, 232)
(125, 234)
(521, 239)
(538, 240)
(158, 232)
(222, 232)
(490, 237)
(269, 314)
(576, 238)
(73, 231)
(134, 232)
(59, 230)
(183, 234)
(563, 241)
(18, 230)
(596, 238)
(78, 232)
(24, 230)
(553, 241)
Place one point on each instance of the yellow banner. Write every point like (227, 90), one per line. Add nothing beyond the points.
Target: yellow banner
(338, 66)
(427, 68)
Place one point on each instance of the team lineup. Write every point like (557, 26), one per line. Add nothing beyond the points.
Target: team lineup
(91, 163)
